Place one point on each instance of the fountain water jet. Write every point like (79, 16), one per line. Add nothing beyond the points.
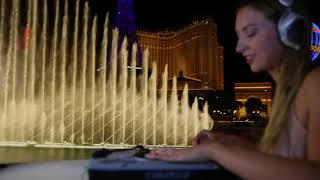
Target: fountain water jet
(79, 98)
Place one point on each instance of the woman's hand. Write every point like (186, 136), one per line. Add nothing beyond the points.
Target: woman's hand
(200, 153)
(203, 147)
(205, 136)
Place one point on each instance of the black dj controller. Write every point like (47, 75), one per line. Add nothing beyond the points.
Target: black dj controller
(130, 163)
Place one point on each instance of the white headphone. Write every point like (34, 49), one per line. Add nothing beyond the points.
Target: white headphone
(291, 26)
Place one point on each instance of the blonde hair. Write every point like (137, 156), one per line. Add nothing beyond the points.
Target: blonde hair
(294, 67)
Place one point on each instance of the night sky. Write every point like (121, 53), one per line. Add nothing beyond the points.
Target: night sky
(154, 15)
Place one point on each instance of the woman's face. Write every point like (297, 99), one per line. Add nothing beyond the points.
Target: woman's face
(257, 40)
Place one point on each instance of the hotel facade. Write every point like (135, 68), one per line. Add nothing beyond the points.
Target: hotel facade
(192, 51)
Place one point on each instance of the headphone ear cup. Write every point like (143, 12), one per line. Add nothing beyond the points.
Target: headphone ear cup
(286, 3)
(292, 28)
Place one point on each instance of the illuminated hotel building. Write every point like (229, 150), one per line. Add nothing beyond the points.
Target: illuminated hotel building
(192, 51)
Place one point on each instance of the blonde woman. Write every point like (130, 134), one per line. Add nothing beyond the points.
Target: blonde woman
(273, 36)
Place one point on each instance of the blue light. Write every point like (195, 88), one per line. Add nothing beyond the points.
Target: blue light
(315, 41)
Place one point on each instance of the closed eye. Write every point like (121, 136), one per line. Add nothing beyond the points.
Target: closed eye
(251, 30)
(252, 34)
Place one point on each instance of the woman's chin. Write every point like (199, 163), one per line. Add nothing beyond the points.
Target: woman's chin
(255, 69)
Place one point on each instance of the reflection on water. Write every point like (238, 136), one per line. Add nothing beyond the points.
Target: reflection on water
(33, 154)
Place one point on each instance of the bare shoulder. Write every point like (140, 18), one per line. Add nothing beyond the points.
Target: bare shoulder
(312, 88)
(311, 83)
(308, 97)
(311, 91)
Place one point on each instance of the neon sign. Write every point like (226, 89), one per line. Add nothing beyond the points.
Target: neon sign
(315, 42)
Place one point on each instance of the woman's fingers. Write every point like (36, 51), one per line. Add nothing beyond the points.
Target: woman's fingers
(202, 136)
(195, 154)
(158, 153)
(167, 154)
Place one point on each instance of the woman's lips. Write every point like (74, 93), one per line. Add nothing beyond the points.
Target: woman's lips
(249, 59)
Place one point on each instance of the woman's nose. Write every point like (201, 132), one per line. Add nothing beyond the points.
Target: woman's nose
(240, 46)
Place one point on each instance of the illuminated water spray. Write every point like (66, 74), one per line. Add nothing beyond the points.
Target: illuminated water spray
(57, 86)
